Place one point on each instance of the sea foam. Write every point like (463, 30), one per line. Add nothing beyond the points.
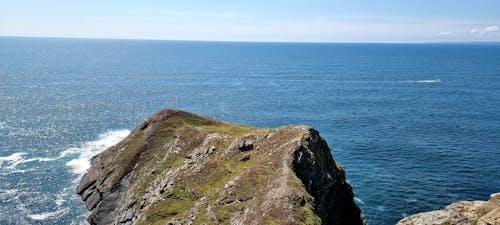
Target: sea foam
(88, 149)
(79, 165)
(20, 157)
(10, 162)
(359, 201)
(77, 160)
(3, 125)
(421, 81)
(12, 158)
(46, 215)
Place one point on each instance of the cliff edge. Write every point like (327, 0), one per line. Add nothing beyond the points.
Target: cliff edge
(180, 168)
(460, 213)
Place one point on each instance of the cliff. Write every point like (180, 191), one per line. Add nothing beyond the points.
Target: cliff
(460, 213)
(180, 168)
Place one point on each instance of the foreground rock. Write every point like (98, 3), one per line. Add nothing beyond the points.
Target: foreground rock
(460, 213)
(180, 168)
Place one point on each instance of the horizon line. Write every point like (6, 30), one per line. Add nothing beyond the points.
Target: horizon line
(250, 41)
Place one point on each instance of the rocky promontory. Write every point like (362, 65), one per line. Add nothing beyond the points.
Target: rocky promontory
(460, 213)
(180, 168)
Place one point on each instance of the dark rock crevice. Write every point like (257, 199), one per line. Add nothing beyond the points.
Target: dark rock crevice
(333, 196)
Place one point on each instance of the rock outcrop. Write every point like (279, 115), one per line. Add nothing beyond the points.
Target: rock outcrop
(180, 168)
(460, 213)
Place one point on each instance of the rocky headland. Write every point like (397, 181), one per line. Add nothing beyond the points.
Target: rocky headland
(460, 213)
(180, 168)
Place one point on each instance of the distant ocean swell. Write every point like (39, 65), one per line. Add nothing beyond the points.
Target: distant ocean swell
(421, 81)
(384, 81)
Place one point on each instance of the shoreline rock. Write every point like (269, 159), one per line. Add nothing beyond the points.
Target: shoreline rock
(181, 168)
(460, 213)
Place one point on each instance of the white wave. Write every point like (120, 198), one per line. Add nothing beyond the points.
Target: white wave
(79, 165)
(358, 200)
(64, 195)
(12, 161)
(409, 200)
(8, 164)
(8, 194)
(59, 200)
(61, 197)
(14, 157)
(19, 158)
(79, 223)
(46, 215)
(88, 149)
(3, 125)
(421, 81)
(42, 159)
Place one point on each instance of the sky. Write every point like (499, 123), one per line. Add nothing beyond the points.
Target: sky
(381, 21)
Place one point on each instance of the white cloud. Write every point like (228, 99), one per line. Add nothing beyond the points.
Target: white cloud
(445, 33)
(491, 29)
(484, 30)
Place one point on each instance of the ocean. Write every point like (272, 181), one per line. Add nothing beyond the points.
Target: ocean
(417, 126)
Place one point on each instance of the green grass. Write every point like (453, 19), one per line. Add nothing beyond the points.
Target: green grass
(208, 182)
(176, 205)
(339, 166)
(480, 214)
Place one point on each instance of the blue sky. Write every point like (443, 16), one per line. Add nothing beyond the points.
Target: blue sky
(256, 20)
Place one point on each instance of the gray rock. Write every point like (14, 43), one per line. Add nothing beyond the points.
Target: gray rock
(93, 199)
(460, 213)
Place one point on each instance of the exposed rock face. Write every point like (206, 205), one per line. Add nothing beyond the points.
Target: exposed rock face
(180, 168)
(460, 213)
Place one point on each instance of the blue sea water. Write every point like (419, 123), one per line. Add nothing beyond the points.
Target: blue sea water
(417, 126)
